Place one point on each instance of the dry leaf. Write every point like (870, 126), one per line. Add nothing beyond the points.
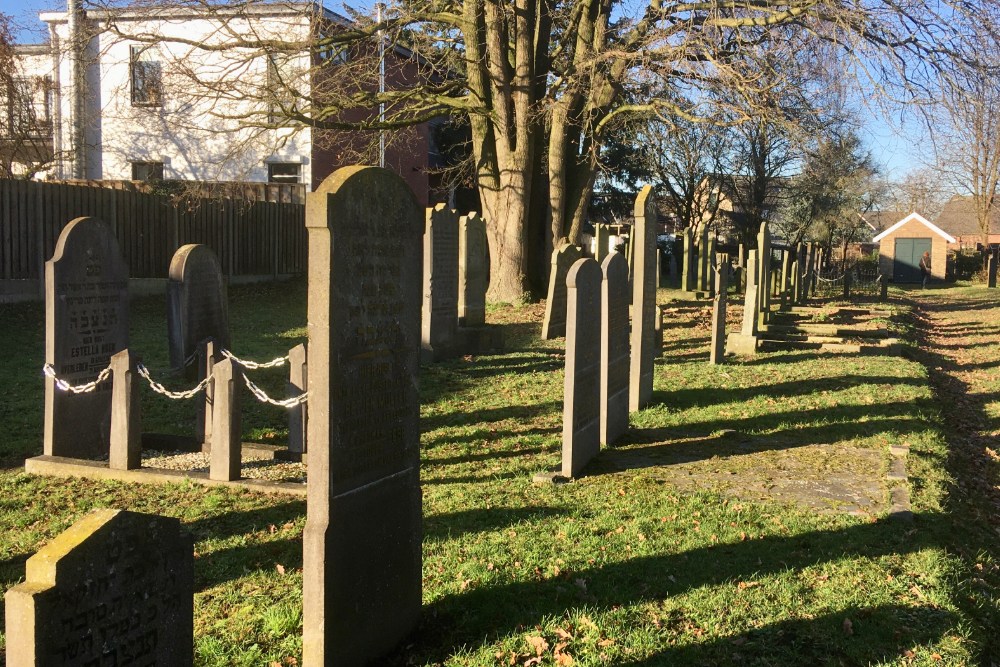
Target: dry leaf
(563, 634)
(280, 568)
(538, 644)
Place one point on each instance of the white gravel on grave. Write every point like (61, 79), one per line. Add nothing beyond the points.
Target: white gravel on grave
(255, 466)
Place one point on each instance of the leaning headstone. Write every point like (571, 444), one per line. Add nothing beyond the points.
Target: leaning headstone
(86, 321)
(643, 301)
(362, 541)
(197, 305)
(227, 422)
(440, 311)
(563, 257)
(473, 273)
(582, 383)
(116, 588)
(745, 342)
(614, 348)
(718, 351)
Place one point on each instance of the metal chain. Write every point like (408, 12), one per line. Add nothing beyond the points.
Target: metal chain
(254, 365)
(49, 371)
(264, 398)
(177, 395)
(831, 280)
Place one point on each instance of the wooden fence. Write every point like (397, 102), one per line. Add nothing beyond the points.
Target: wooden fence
(250, 238)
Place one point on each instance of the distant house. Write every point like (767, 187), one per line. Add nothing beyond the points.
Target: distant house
(958, 218)
(123, 105)
(903, 243)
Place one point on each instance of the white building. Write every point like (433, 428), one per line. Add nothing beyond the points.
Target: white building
(192, 94)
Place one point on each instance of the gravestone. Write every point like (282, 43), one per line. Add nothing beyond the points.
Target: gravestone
(298, 416)
(687, 280)
(614, 348)
(718, 351)
(710, 273)
(362, 541)
(116, 588)
(745, 341)
(785, 284)
(703, 258)
(643, 301)
(440, 307)
(563, 257)
(764, 274)
(602, 239)
(227, 423)
(991, 270)
(86, 322)
(473, 272)
(197, 305)
(582, 383)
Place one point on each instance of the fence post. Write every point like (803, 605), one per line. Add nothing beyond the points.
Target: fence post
(883, 288)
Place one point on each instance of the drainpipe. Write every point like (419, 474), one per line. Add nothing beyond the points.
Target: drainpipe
(58, 150)
(78, 81)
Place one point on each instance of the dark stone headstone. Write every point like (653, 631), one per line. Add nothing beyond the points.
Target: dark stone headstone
(197, 305)
(362, 542)
(473, 270)
(614, 348)
(718, 351)
(991, 270)
(581, 397)
(643, 301)
(86, 322)
(116, 588)
(563, 257)
(440, 306)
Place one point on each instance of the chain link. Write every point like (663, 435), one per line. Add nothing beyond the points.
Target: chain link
(264, 398)
(176, 395)
(254, 365)
(49, 371)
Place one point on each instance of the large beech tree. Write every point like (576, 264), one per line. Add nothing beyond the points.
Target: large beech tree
(543, 81)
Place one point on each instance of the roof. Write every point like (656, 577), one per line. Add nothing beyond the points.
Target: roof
(958, 217)
(879, 220)
(918, 218)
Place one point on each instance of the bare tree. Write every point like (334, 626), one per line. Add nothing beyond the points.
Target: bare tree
(921, 190)
(542, 82)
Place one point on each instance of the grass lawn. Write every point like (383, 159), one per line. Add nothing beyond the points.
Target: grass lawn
(742, 520)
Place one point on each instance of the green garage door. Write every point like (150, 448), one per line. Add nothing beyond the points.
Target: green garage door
(906, 265)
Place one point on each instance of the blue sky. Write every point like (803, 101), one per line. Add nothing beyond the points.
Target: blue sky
(898, 150)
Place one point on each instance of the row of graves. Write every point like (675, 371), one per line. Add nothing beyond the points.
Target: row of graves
(117, 587)
(776, 314)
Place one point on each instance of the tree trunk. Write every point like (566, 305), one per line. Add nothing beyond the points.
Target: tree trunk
(506, 213)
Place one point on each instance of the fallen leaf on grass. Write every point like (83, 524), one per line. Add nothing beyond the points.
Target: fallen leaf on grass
(280, 568)
(538, 644)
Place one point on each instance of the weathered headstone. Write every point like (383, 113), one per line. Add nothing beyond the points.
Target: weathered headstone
(710, 271)
(614, 348)
(197, 305)
(687, 280)
(563, 257)
(362, 542)
(718, 351)
(703, 258)
(116, 588)
(298, 416)
(991, 270)
(764, 274)
(643, 301)
(125, 451)
(745, 341)
(86, 321)
(227, 422)
(473, 274)
(440, 309)
(786, 274)
(582, 383)
(602, 242)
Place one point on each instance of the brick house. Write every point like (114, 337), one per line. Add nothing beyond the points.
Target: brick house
(902, 245)
(958, 218)
(125, 103)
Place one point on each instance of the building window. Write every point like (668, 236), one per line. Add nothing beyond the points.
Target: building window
(147, 77)
(147, 171)
(283, 172)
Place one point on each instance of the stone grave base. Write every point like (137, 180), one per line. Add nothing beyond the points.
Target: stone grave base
(740, 344)
(60, 466)
(468, 340)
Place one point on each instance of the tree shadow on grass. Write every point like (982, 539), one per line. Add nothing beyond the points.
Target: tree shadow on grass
(522, 413)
